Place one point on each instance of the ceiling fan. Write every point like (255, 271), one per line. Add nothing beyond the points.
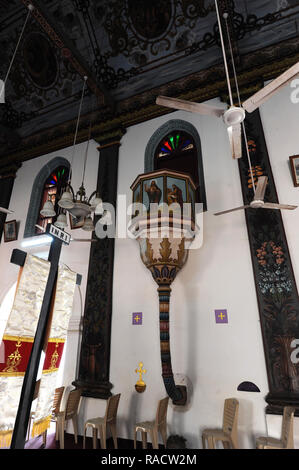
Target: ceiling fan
(5, 211)
(258, 200)
(72, 239)
(233, 116)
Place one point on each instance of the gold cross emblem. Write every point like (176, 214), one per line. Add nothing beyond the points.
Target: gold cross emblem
(54, 358)
(14, 359)
(140, 371)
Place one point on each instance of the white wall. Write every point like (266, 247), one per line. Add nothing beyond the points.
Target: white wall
(76, 255)
(215, 358)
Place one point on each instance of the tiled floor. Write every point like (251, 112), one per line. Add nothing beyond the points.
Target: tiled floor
(69, 442)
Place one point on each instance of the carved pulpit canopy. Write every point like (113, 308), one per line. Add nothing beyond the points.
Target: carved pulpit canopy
(164, 224)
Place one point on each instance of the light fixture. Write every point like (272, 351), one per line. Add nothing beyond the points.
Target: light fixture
(97, 205)
(66, 200)
(61, 221)
(78, 205)
(88, 224)
(48, 209)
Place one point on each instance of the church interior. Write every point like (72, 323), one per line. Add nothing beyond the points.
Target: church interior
(156, 134)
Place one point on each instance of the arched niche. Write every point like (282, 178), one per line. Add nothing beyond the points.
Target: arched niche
(166, 129)
(36, 193)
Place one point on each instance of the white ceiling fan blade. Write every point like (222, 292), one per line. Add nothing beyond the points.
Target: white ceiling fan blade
(235, 139)
(263, 95)
(191, 106)
(232, 210)
(5, 211)
(271, 205)
(261, 188)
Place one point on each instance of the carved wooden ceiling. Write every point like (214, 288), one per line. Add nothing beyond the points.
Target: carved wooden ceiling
(131, 51)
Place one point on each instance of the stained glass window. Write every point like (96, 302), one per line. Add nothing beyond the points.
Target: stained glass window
(53, 188)
(174, 143)
(177, 151)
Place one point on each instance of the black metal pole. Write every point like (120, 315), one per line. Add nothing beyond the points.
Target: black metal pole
(23, 414)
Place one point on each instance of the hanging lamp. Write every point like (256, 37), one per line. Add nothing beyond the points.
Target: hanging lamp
(48, 209)
(61, 221)
(88, 224)
(78, 205)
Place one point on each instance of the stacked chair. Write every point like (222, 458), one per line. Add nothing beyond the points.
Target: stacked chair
(99, 425)
(228, 435)
(153, 427)
(55, 410)
(70, 412)
(287, 435)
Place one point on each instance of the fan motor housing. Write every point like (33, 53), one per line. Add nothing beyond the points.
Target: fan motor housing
(257, 204)
(233, 116)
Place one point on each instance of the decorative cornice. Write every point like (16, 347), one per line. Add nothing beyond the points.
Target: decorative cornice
(111, 138)
(257, 67)
(101, 147)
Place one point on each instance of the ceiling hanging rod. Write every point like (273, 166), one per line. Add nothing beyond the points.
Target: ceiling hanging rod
(224, 56)
(225, 16)
(30, 9)
(86, 152)
(76, 131)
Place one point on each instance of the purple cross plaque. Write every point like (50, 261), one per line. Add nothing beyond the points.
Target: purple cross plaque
(137, 318)
(221, 316)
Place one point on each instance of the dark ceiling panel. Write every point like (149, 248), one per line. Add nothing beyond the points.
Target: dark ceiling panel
(126, 47)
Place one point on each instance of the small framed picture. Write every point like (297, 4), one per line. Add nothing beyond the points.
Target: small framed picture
(76, 222)
(294, 162)
(10, 231)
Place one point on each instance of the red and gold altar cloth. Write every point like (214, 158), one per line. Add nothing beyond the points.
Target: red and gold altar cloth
(18, 340)
(61, 313)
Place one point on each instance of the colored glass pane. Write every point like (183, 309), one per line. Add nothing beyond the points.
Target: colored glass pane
(174, 143)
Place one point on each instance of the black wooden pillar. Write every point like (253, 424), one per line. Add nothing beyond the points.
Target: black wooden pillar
(94, 363)
(7, 178)
(23, 414)
(275, 282)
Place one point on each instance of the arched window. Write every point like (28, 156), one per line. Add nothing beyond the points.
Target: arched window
(53, 188)
(176, 146)
(49, 182)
